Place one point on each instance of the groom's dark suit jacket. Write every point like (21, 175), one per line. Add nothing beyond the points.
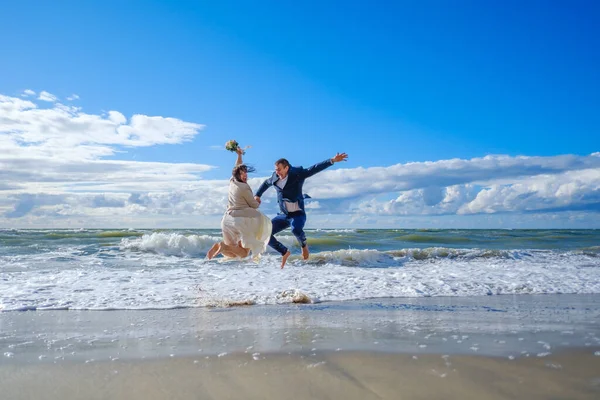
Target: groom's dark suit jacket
(292, 191)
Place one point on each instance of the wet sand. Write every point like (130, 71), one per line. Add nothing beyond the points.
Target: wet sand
(342, 375)
(499, 347)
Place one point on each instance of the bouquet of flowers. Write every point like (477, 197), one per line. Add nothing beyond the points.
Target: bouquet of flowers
(233, 146)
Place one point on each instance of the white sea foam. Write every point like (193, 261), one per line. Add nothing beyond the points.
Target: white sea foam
(142, 273)
(176, 244)
(171, 243)
(353, 257)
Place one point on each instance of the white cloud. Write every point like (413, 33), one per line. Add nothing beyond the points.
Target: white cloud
(27, 93)
(569, 190)
(348, 183)
(54, 171)
(117, 117)
(73, 97)
(45, 96)
(312, 205)
(67, 133)
(52, 162)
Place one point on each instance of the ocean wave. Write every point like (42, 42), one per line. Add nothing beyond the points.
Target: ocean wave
(592, 251)
(351, 257)
(139, 279)
(333, 241)
(170, 244)
(445, 252)
(334, 230)
(79, 234)
(369, 258)
(416, 238)
(288, 240)
(154, 269)
(117, 234)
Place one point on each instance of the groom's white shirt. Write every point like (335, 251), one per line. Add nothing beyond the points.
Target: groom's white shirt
(290, 207)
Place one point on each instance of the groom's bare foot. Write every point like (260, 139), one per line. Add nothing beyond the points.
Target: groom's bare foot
(284, 259)
(214, 250)
(305, 252)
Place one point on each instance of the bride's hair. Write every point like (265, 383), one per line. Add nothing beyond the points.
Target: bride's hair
(239, 168)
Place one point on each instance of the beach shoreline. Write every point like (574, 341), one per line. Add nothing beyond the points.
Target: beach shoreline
(486, 325)
(491, 347)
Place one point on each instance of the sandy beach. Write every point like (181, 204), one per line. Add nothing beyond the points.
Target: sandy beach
(496, 347)
(342, 375)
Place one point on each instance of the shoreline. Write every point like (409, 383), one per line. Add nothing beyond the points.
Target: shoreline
(303, 299)
(492, 325)
(493, 347)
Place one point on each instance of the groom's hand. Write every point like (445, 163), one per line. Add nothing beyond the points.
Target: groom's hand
(257, 199)
(339, 157)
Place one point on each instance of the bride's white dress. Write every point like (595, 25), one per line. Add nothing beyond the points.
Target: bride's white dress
(253, 232)
(242, 221)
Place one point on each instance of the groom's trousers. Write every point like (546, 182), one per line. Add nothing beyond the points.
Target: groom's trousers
(280, 222)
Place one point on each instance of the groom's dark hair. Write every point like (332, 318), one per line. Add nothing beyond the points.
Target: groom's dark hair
(283, 162)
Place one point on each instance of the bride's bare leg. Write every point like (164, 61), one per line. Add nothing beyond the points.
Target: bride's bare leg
(227, 251)
(244, 250)
(214, 250)
(234, 251)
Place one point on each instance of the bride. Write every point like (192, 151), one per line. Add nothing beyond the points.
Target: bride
(245, 229)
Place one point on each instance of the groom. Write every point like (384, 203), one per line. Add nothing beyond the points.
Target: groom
(288, 182)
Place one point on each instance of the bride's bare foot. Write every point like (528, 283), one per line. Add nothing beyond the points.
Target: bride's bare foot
(214, 251)
(245, 252)
(305, 252)
(284, 259)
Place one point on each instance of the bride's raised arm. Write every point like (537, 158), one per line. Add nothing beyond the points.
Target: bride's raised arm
(239, 152)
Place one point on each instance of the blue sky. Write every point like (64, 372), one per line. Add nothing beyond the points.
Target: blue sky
(403, 87)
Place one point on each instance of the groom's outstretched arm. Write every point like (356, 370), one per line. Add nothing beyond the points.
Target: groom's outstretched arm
(310, 171)
(264, 186)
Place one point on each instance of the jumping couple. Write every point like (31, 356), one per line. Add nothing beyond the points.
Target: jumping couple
(245, 229)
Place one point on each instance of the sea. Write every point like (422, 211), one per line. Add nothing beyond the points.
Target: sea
(131, 269)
